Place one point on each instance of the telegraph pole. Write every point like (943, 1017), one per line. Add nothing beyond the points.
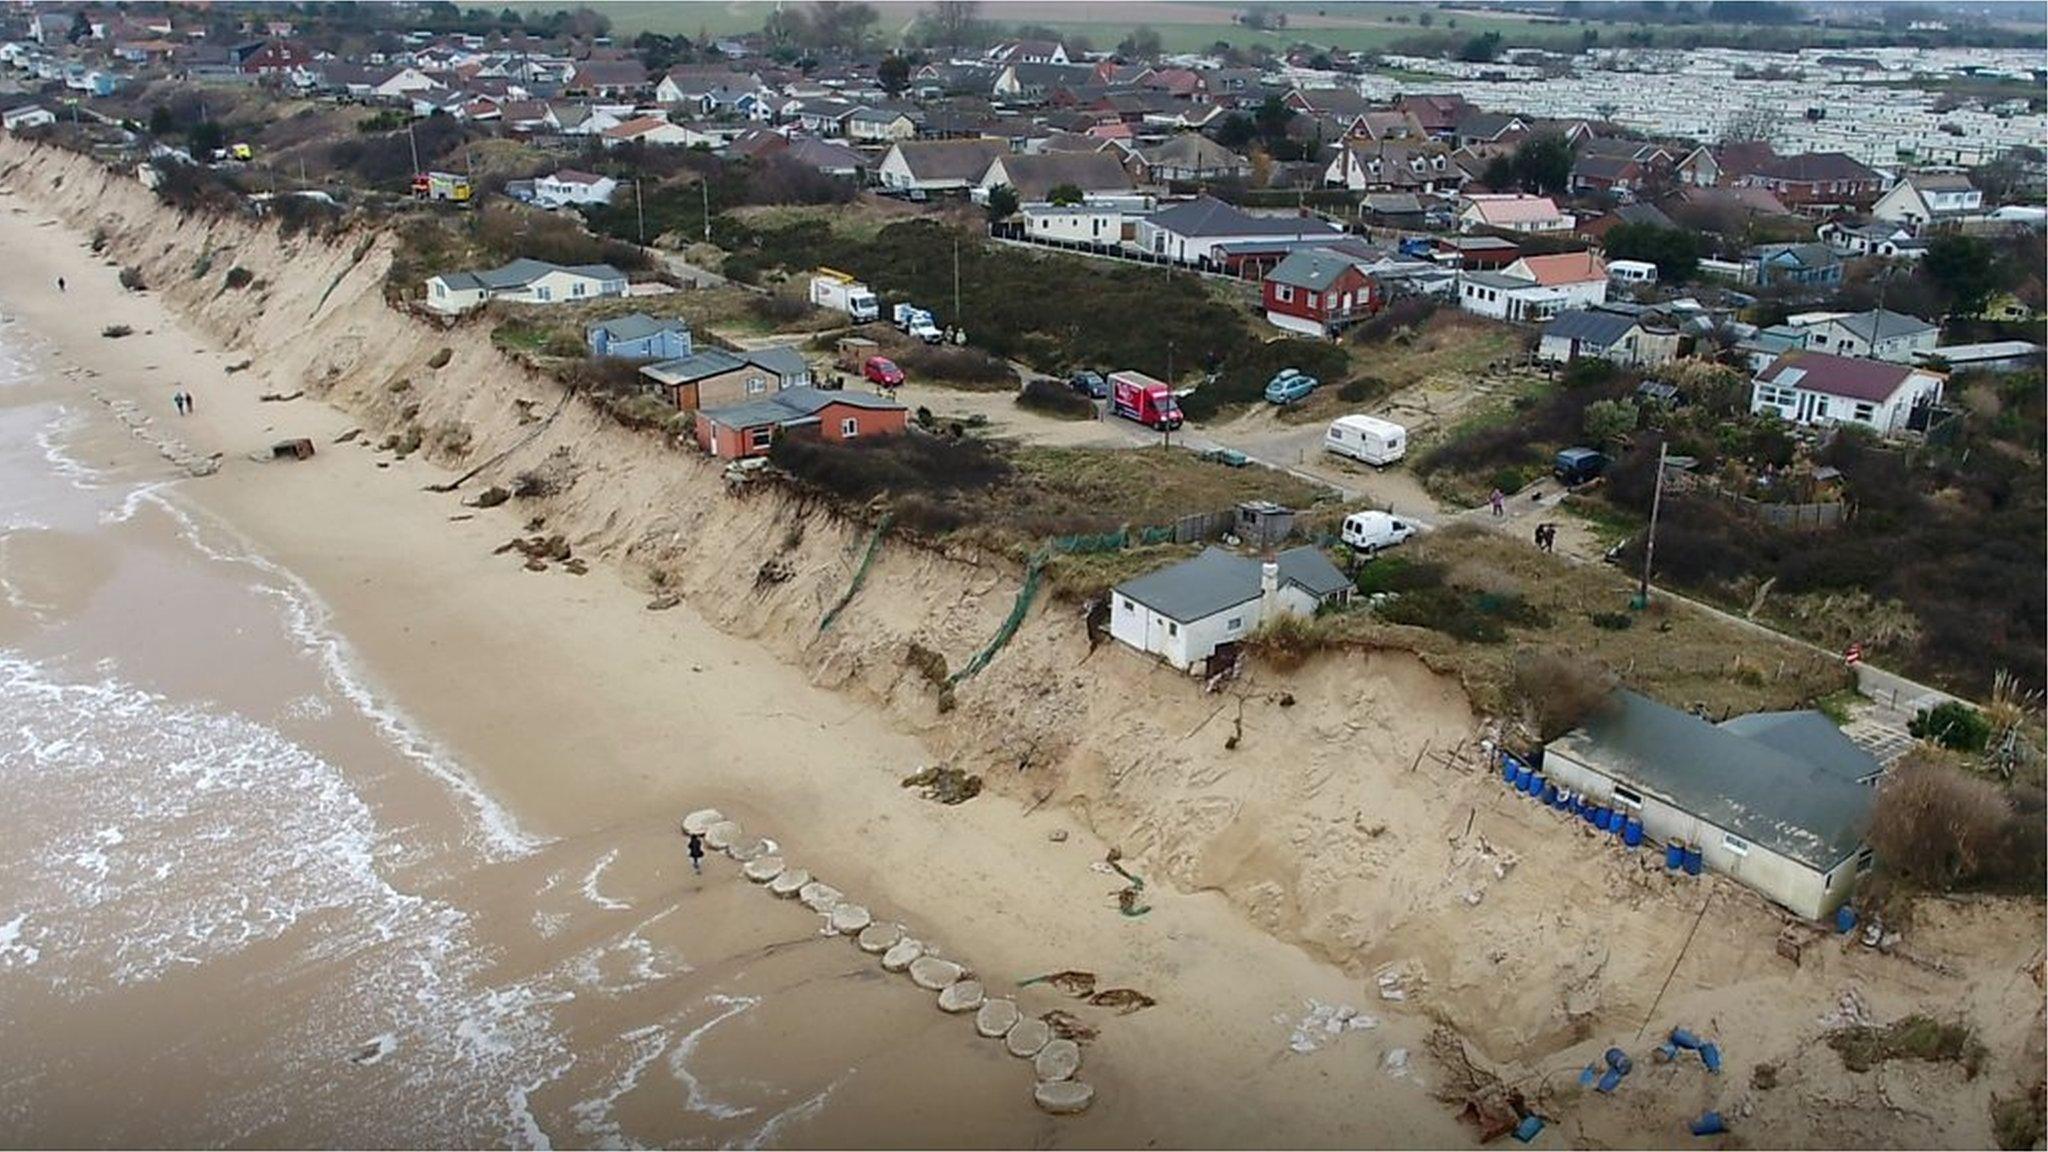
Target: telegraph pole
(639, 210)
(704, 183)
(1650, 541)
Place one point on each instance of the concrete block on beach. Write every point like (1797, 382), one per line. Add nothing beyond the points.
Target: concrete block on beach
(1027, 1037)
(931, 973)
(791, 882)
(996, 1018)
(1058, 1060)
(1063, 1097)
(723, 835)
(902, 954)
(961, 996)
(764, 869)
(699, 822)
(879, 938)
(848, 919)
(820, 897)
(752, 850)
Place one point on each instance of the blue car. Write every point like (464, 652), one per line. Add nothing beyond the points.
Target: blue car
(1290, 385)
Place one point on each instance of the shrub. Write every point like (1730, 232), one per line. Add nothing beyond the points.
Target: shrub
(1052, 398)
(1863, 1047)
(1403, 312)
(956, 365)
(1612, 621)
(779, 309)
(1952, 724)
(2018, 1121)
(1362, 389)
(131, 279)
(239, 277)
(1287, 640)
(1398, 574)
(1511, 480)
(440, 358)
(1559, 692)
(1940, 828)
(890, 465)
(1479, 617)
(116, 331)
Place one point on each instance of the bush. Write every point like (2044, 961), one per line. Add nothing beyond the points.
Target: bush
(1559, 692)
(776, 308)
(1287, 640)
(910, 464)
(1361, 389)
(1952, 724)
(1405, 312)
(1863, 1047)
(1942, 828)
(1398, 574)
(239, 277)
(1478, 617)
(1052, 398)
(116, 331)
(953, 364)
(131, 279)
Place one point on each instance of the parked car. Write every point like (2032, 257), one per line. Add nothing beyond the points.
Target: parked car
(1228, 457)
(1576, 466)
(1089, 384)
(1368, 532)
(1290, 385)
(883, 371)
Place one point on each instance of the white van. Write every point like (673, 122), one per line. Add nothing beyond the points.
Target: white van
(1367, 439)
(1368, 532)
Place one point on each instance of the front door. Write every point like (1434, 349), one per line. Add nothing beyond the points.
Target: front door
(1809, 404)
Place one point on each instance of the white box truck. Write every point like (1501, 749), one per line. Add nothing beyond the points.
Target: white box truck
(840, 292)
(1367, 439)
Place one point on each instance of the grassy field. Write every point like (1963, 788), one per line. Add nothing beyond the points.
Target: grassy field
(1449, 351)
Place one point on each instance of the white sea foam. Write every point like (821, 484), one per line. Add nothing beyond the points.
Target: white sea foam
(14, 950)
(804, 1109)
(50, 438)
(590, 891)
(595, 1116)
(696, 1099)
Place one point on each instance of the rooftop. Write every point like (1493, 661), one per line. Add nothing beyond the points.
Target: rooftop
(1207, 584)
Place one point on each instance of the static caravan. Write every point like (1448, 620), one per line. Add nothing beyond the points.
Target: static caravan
(1367, 439)
(1632, 272)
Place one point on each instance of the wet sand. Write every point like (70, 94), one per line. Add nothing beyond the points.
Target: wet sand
(558, 706)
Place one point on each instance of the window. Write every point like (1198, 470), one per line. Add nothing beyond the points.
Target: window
(1284, 293)
(1315, 299)
(1234, 623)
(576, 289)
(1628, 796)
(1172, 629)
(1130, 607)
(1864, 859)
(543, 294)
(756, 384)
(849, 427)
(1735, 845)
(761, 437)
(1866, 412)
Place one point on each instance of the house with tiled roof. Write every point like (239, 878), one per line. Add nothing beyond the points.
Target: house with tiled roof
(524, 281)
(573, 186)
(1644, 214)
(1437, 112)
(1925, 200)
(1317, 291)
(1477, 128)
(1818, 182)
(1879, 334)
(1807, 387)
(1535, 288)
(1513, 212)
(646, 130)
(1192, 231)
(608, 77)
(1034, 177)
(1813, 265)
(751, 427)
(938, 165)
(1413, 165)
(1192, 156)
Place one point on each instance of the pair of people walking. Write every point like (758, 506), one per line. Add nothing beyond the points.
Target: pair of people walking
(182, 401)
(1546, 537)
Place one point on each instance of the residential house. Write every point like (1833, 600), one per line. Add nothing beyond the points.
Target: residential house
(1420, 166)
(1724, 164)
(1339, 104)
(938, 165)
(1774, 802)
(750, 428)
(524, 281)
(1034, 177)
(26, 116)
(1186, 612)
(639, 337)
(1761, 347)
(830, 157)
(1880, 238)
(572, 186)
(1808, 387)
(1192, 157)
(1995, 356)
(1925, 200)
(1818, 182)
(713, 377)
(1599, 226)
(646, 130)
(1103, 221)
(608, 78)
(1750, 203)
(1879, 334)
(880, 125)
(1581, 276)
(1535, 288)
(1513, 212)
(1476, 253)
(276, 58)
(1404, 210)
(1387, 125)
(1190, 232)
(697, 84)
(1595, 333)
(1481, 128)
(1438, 113)
(1029, 52)
(1805, 264)
(1028, 80)
(1317, 291)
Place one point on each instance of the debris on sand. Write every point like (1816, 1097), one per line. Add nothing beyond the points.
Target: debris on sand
(242, 366)
(490, 497)
(1073, 982)
(280, 397)
(944, 784)
(1124, 1000)
(1068, 1026)
(664, 602)
(349, 436)
(1322, 1022)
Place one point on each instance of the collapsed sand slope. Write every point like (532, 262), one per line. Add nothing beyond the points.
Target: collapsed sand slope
(1328, 822)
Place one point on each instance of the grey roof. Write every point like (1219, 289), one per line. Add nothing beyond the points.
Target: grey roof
(950, 159)
(1208, 216)
(1807, 255)
(1034, 177)
(1941, 181)
(1198, 588)
(521, 272)
(794, 406)
(1311, 268)
(1808, 736)
(781, 359)
(1736, 783)
(1193, 150)
(638, 326)
(1643, 214)
(1883, 324)
(1600, 329)
(696, 366)
(1497, 280)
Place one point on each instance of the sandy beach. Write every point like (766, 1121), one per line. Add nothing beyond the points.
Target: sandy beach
(418, 803)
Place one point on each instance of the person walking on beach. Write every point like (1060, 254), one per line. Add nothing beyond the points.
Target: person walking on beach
(178, 400)
(696, 853)
(1499, 502)
(60, 283)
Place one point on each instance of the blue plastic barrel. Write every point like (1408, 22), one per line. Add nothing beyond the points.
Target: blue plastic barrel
(1522, 774)
(1550, 793)
(1618, 822)
(1845, 919)
(1684, 1039)
(1536, 783)
(1508, 767)
(1618, 1060)
(1528, 1128)
(1606, 819)
(1709, 1124)
(1710, 1055)
(1674, 856)
(1609, 1081)
(1632, 833)
(1693, 860)
(1592, 813)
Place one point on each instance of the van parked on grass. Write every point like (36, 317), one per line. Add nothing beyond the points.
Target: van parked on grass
(1367, 439)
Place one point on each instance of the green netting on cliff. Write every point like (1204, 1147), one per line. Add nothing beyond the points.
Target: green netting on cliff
(860, 574)
(1011, 623)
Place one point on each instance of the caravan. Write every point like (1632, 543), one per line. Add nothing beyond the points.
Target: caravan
(1367, 439)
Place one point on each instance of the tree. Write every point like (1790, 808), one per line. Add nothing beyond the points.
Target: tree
(954, 24)
(1272, 118)
(1065, 194)
(1498, 174)
(1607, 421)
(81, 27)
(785, 28)
(1674, 251)
(659, 53)
(1544, 164)
(1002, 203)
(893, 73)
(1426, 19)
(206, 139)
(1480, 49)
(1961, 266)
(161, 122)
(1142, 44)
(1235, 131)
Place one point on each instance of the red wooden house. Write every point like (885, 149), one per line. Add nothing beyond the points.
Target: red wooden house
(750, 428)
(1317, 291)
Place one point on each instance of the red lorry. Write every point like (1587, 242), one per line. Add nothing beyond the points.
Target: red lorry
(1136, 396)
